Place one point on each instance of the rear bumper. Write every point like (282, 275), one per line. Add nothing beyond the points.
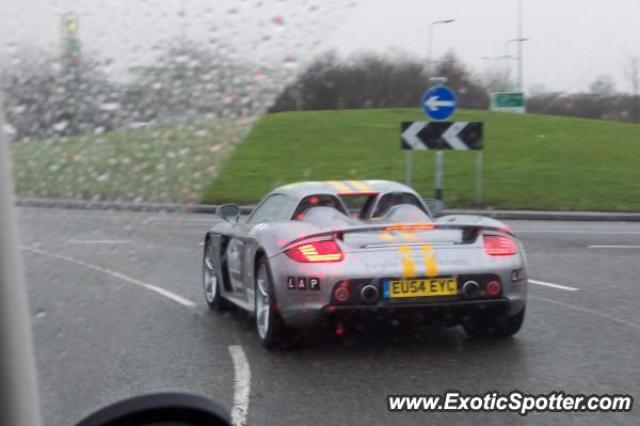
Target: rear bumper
(449, 313)
(501, 304)
(303, 307)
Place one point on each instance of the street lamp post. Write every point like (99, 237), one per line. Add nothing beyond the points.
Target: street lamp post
(520, 40)
(439, 153)
(183, 20)
(517, 57)
(430, 45)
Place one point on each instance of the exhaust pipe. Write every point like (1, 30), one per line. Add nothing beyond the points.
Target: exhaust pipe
(369, 294)
(470, 289)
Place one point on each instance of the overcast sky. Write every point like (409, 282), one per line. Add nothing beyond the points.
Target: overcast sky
(570, 42)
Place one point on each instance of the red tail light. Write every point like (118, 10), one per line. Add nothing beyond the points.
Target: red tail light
(499, 245)
(316, 252)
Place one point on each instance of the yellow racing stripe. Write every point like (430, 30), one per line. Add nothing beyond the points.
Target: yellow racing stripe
(408, 235)
(408, 264)
(430, 263)
(359, 186)
(386, 236)
(340, 186)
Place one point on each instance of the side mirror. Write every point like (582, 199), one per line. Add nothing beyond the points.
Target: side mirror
(228, 212)
(160, 409)
(434, 206)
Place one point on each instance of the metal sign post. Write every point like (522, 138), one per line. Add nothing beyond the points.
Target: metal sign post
(439, 103)
(409, 169)
(479, 177)
(440, 136)
(439, 173)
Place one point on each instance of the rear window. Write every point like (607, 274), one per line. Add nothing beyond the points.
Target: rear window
(357, 204)
(319, 200)
(395, 199)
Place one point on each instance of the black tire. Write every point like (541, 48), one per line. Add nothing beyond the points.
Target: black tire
(274, 333)
(212, 281)
(494, 326)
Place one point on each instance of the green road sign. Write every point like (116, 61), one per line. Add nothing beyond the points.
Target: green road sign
(508, 102)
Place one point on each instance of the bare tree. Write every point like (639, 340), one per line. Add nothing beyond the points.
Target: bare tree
(46, 98)
(367, 80)
(470, 92)
(496, 80)
(537, 89)
(603, 85)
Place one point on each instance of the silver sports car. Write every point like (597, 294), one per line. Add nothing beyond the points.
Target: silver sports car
(338, 250)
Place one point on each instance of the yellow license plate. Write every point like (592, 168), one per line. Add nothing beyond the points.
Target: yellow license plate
(425, 287)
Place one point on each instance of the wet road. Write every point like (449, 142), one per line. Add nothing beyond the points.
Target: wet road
(118, 310)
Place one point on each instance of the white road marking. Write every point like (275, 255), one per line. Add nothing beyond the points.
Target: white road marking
(98, 242)
(185, 221)
(166, 293)
(552, 285)
(614, 247)
(589, 311)
(242, 386)
(138, 218)
(571, 231)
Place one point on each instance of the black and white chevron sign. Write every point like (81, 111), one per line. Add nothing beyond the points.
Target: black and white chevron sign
(459, 135)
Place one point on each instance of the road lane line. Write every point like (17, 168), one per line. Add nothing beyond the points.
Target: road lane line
(139, 219)
(589, 311)
(613, 247)
(552, 285)
(572, 231)
(161, 291)
(242, 386)
(98, 242)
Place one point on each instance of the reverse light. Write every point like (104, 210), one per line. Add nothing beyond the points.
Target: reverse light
(499, 245)
(316, 252)
(410, 227)
(517, 275)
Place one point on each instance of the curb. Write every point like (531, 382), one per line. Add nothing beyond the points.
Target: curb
(121, 206)
(245, 209)
(574, 216)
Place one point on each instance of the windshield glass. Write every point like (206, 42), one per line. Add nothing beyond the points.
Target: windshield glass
(515, 121)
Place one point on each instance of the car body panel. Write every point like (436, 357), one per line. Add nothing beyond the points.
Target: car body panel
(372, 253)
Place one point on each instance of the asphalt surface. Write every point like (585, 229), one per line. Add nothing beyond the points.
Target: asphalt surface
(104, 329)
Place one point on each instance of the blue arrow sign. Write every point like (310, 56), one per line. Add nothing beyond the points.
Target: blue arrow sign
(439, 102)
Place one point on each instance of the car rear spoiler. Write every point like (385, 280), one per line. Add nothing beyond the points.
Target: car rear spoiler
(470, 232)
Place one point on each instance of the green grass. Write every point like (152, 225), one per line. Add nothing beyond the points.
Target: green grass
(531, 161)
(159, 163)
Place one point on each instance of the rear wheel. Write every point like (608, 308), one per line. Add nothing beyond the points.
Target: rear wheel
(271, 330)
(211, 281)
(495, 326)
